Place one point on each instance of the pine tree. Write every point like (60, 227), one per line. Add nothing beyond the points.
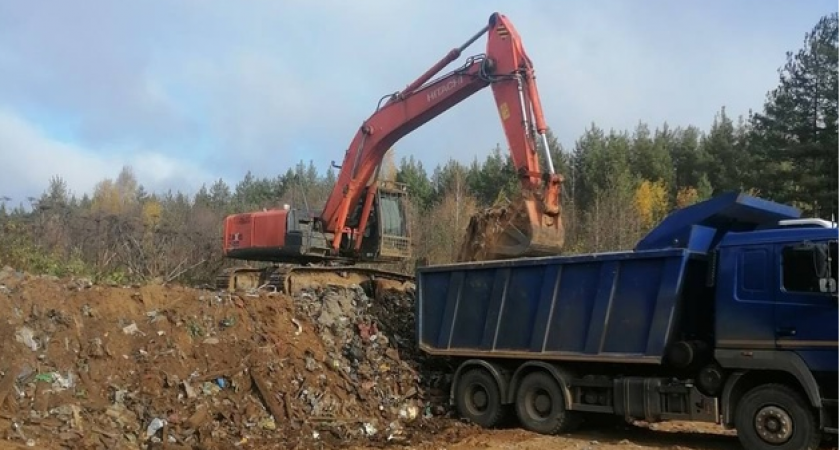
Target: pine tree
(728, 161)
(689, 159)
(649, 158)
(795, 137)
(412, 173)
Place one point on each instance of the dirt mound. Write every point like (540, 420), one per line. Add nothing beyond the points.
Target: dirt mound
(85, 366)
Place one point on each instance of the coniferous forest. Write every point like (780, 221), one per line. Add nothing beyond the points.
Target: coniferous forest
(618, 184)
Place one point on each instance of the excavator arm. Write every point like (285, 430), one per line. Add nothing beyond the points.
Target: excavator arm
(531, 226)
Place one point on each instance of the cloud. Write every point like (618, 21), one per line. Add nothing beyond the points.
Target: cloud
(88, 65)
(31, 159)
(222, 88)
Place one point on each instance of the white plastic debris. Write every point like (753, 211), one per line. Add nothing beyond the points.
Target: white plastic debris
(154, 426)
(132, 329)
(370, 430)
(26, 336)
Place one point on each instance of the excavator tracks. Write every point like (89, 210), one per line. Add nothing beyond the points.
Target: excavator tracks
(290, 279)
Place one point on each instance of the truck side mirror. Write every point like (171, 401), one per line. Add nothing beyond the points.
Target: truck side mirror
(819, 254)
(828, 284)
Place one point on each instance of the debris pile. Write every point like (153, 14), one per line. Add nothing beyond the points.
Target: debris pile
(88, 366)
(369, 342)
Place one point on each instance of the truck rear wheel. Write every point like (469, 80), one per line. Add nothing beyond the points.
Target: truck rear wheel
(478, 398)
(541, 405)
(775, 417)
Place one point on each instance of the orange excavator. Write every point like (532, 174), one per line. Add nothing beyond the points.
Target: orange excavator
(365, 219)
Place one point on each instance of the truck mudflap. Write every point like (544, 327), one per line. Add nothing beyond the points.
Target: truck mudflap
(828, 418)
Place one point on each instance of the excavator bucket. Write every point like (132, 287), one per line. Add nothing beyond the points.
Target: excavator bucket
(525, 227)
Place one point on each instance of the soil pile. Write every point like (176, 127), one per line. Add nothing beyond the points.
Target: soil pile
(87, 366)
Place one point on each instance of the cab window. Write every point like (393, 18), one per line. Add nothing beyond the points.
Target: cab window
(810, 267)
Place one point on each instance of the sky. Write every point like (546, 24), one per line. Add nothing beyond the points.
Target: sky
(186, 92)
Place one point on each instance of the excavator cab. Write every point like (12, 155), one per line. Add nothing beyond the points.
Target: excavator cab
(387, 236)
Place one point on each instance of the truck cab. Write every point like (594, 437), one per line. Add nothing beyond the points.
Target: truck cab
(771, 284)
(779, 292)
(777, 312)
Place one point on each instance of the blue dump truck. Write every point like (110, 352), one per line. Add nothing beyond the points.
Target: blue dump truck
(726, 312)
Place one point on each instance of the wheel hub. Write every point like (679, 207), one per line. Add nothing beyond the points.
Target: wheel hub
(773, 424)
(538, 404)
(542, 404)
(479, 398)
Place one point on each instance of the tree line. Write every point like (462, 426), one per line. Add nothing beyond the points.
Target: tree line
(618, 184)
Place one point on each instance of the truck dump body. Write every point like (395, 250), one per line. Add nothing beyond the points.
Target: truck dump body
(605, 307)
(620, 307)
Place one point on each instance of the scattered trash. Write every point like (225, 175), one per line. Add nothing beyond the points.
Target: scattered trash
(224, 371)
(154, 426)
(132, 330)
(26, 336)
(268, 424)
(370, 430)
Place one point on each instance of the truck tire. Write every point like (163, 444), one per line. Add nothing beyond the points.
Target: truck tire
(774, 416)
(478, 398)
(541, 405)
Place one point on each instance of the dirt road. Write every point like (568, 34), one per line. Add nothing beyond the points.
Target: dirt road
(672, 437)
(594, 440)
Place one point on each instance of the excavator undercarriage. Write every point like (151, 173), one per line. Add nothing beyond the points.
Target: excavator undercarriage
(291, 278)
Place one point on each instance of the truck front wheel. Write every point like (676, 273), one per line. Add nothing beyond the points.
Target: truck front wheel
(776, 417)
(541, 405)
(478, 399)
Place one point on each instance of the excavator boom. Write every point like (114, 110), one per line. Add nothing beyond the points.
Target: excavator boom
(531, 226)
